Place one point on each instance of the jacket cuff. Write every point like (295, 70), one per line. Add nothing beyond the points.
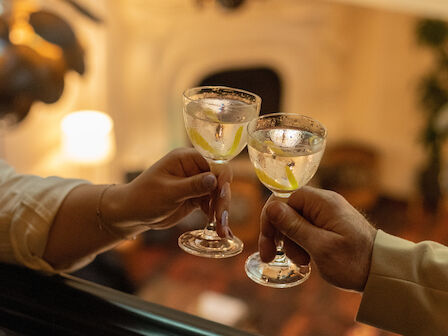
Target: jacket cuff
(405, 292)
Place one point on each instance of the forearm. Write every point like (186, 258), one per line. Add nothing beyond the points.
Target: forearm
(75, 232)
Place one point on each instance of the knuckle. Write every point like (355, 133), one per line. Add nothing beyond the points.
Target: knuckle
(177, 151)
(196, 184)
(333, 197)
(293, 228)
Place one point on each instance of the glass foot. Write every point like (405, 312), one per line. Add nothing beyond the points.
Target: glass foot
(206, 243)
(279, 273)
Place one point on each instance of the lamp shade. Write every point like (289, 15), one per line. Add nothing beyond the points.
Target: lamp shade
(88, 137)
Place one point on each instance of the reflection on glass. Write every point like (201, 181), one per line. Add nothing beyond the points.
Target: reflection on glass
(285, 150)
(215, 119)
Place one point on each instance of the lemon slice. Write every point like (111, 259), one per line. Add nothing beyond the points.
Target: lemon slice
(211, 115)
(273, 148)
(263, 177)
(291, 178)
(236, 142)
(200, 141)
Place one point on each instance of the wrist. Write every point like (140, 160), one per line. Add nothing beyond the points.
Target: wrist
(113, 206)
(368, 263)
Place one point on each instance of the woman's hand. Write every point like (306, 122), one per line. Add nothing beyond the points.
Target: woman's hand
(157, 199)
(168, 191)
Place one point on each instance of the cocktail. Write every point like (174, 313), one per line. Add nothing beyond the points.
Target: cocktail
(216, 119)
(285, 150)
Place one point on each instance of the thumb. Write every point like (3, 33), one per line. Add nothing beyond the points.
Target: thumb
(195, 186)
(294, 226)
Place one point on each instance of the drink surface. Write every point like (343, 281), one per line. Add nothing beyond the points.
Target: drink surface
(217, 127)
(285, 159)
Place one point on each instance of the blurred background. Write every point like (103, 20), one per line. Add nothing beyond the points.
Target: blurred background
(92, 89)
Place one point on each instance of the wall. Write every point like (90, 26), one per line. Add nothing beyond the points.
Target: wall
(353, 68)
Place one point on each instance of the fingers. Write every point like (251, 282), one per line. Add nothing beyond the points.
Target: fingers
(178, 214)
(185, 162)
(285, 219)
(319, 206)
(221, 206)
(221, 201)
(266, 240)
(194, 186)
(267, 245)
(296, 253)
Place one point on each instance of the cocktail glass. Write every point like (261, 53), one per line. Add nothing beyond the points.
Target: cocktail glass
(285, 150)
(216, 119)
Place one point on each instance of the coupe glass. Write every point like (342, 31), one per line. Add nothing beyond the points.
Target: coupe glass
(216, 119)
(285, 150)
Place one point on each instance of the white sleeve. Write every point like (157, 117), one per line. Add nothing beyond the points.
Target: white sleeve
(28, 205)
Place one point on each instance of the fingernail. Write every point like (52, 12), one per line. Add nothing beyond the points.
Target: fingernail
(225, 218)
(225, 190)
(209, 181)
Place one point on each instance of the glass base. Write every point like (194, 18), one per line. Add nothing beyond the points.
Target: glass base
(279, 273)
(207, 243)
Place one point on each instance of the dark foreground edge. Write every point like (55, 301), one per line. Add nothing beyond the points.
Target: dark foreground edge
(32, 303)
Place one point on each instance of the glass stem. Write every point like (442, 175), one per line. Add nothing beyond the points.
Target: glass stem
(280, 257)
(210, 229)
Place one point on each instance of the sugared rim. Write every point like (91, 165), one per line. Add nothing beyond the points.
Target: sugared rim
(212, 87)
(276, 114)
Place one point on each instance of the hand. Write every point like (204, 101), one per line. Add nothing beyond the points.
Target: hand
(322, 224)
(162, 195)
(220, 202)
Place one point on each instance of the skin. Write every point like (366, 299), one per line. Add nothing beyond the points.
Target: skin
(157, 199)
(322, 225)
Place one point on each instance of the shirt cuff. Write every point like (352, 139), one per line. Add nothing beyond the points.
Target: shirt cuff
(32, 220)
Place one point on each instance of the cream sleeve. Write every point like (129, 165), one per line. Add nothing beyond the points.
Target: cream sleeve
(407, 288)
(28, 205)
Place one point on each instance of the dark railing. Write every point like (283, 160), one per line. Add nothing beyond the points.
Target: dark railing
(32, 303)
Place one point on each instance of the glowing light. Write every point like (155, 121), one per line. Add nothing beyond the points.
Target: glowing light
(88, 137)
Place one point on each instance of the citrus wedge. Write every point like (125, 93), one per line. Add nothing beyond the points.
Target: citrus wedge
(273, 148)
(200, 141)
(291, 178)
(263, 177)
(211, 115)
(236, 142)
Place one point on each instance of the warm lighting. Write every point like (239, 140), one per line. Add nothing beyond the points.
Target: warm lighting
(88, 137)
(22, 33)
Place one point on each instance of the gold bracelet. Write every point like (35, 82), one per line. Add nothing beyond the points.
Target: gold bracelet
(102, 224)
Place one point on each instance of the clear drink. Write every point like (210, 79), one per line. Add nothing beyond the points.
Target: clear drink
(216, 119)
(285, 159)
(217, 127)
(285, 150)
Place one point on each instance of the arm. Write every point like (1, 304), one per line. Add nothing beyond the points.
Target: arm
(52, 224)
(409, 281)
(157, 199)
(405, 285)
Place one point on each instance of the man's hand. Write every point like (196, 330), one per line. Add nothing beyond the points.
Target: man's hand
(321, 224)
